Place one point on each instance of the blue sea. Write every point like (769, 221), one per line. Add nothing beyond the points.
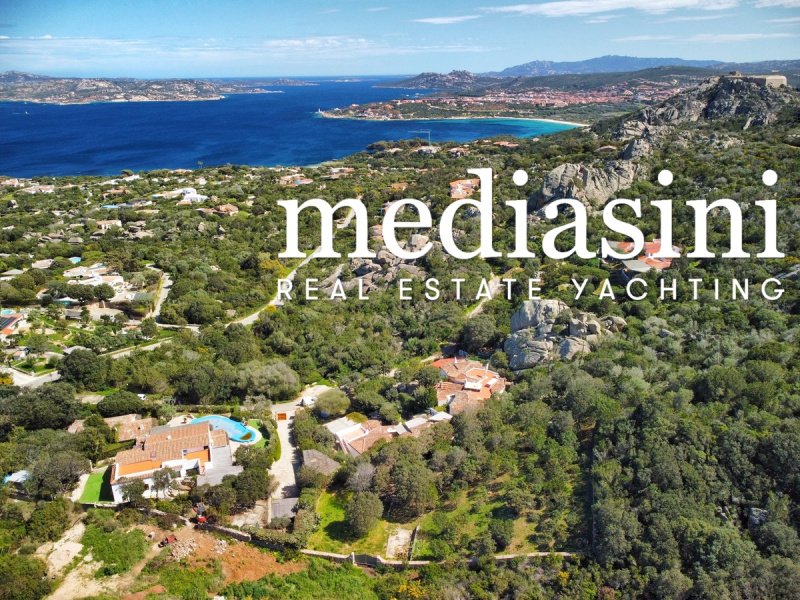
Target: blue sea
(252, 129)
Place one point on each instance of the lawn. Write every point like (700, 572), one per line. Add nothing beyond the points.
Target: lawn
(98, 487)
(256, 424)
(470, 513)
(332, 534)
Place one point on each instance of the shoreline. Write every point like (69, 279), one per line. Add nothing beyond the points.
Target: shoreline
(464, 118)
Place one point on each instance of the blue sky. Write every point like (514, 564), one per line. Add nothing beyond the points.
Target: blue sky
(163, 38)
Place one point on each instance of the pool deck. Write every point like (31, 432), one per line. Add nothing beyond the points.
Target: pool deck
(186, 418)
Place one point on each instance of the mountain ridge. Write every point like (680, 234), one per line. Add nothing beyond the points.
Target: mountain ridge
(609, 63)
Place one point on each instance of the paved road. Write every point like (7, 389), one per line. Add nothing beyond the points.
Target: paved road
(25, 380)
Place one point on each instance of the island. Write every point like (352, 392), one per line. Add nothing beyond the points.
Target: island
(16, 86)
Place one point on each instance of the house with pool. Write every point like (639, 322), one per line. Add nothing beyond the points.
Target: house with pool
(202, 446)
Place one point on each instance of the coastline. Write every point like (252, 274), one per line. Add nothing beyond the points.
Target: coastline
(84, 103)
(324, 115)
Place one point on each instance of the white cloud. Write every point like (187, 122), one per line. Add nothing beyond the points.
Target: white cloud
(446, 20)
(785, 20)
(377, 9)
(706, 38)
(778, 4)
(570, 8)
(694, 18)
(644, 38)
(717, 38)
(118, 56)
(601, 19)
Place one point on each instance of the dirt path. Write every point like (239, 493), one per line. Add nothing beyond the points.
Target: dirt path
(494, 287)
(60, 553)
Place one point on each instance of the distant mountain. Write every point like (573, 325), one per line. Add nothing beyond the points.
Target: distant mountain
(602, 64)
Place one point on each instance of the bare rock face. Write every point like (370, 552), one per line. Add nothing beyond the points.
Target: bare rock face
(534, 313)
(524, 350)
(537, 336)
(570, 347)
(593, 186)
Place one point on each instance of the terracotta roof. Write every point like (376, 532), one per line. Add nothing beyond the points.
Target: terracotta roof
(219, 438)
(463, 402)
(167, 443)
(366, 442)
(133, 430)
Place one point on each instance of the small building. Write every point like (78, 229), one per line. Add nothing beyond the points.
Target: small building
(463, 188)
(468, 384)
(319, 462)
(106, 224)
(282, 508)
(647, 260)
(10, 323)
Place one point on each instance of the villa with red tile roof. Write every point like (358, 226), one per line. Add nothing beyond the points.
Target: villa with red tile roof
(463, 188)
(468, 384)
(647, 260)
(181, 449)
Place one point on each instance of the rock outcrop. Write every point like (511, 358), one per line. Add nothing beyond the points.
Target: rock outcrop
(538, 334)
(714, 99)
(592, 185)
(376, 273)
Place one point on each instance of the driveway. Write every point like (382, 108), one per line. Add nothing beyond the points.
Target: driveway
(284, 469)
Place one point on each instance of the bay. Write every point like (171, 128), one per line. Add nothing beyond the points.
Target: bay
(255, 129)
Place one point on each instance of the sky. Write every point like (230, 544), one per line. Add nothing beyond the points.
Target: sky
(238, 38)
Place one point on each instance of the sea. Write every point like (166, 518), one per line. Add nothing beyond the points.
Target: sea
(270, 129)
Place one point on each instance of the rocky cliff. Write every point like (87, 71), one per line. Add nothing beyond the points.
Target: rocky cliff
(716, 99)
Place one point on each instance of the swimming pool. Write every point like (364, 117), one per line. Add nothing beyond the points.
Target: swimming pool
(237, 432)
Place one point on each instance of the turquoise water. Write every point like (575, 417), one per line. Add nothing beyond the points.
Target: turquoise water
(250, 129)
(238, 432)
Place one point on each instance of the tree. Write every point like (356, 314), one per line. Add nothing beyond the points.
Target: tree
(502, 532)
(163, 481)
(55, 475)
(49, 520)
(84, 368)
(252, 485)
(37, 344)
(104, 292)
(360, 479)
(362, 512)
(133, 492)
(479, 332)
(24, 577)
(52, 406)
(149, 328)
(274, 380)
(120, 403)
(333, 403)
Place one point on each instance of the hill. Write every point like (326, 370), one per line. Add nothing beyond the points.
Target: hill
(27, 87)
(602, 64)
